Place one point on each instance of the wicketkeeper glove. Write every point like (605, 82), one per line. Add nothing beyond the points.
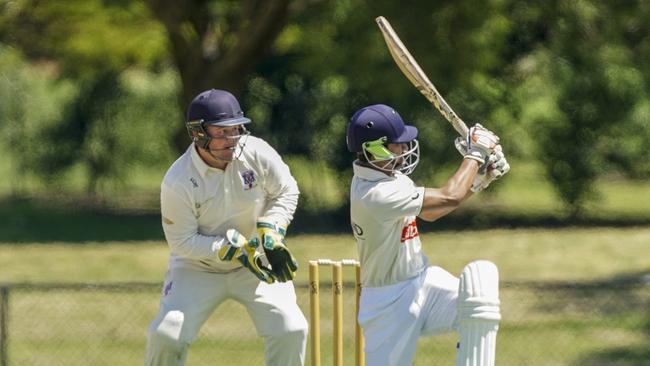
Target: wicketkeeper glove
(283, 263)
(244, 251)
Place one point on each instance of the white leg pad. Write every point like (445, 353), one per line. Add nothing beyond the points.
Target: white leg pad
(478, 314)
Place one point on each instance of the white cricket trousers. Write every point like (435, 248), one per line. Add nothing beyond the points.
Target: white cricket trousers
(190, 297)
(394, 317)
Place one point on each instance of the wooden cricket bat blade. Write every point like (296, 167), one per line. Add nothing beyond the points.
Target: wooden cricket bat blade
(412, 70)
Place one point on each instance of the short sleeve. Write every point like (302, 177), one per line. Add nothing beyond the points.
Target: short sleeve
(390, 201)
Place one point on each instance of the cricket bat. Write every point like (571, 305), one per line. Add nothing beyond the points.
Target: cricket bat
(418, 78)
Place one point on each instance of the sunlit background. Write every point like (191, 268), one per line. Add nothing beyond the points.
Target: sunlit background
(92, 101)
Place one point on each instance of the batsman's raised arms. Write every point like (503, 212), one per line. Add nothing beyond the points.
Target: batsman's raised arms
(418, 78)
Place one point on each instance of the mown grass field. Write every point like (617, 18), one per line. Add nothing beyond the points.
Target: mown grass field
(591, 318)
(570, 254)
(574, 292)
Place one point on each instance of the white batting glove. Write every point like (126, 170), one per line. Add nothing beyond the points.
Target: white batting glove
(494, 168)
(497, 166)
(480, 143)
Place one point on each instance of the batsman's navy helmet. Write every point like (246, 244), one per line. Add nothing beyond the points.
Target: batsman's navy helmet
(213, 107)
(375, 122)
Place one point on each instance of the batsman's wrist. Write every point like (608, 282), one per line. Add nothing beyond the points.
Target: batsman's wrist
(475, 156)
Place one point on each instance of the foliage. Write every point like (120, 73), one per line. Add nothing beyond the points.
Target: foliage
(96, 125)
(133, 129)
(562, 82)
(589, 92)
(217, 43)
(30, 102)
(51, 126)
(83, 38)
(320, 188)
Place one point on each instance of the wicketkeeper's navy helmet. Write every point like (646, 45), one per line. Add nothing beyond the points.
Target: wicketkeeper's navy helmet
(213, 107)
(372, 128)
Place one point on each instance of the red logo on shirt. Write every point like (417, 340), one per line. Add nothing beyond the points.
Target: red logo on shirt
(410, 231)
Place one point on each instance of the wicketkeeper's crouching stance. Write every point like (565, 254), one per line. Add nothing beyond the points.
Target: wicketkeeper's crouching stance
(227, 186)
(403, 297)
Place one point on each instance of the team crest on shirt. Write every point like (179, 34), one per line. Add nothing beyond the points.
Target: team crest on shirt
(248, 179)
(409, 231)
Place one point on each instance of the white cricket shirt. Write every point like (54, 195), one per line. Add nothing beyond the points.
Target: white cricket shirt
(382, 211)
(199, 203)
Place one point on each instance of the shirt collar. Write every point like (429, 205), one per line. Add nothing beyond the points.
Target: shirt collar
(369, 174)
(198, 162)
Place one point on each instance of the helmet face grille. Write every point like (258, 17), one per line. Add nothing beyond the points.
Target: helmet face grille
(198, 134)
(404, 163)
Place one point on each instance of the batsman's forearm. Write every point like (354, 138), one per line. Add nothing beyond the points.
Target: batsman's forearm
(439, 202)
(281, 209)
(194, 246)
(458, 186)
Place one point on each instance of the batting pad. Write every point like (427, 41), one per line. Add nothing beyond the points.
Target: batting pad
(478, 314)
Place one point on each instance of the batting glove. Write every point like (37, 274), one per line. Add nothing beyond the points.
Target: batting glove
(480, 143)
(497, 166)
(283, 263)
(492, 169)
(245, 252)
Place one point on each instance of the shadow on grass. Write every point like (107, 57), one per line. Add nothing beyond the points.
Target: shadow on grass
(619, 356)
(499, 218)
(469, 219)
(633, 355)
(619, 294)
(611, 306)
(28, 220)
(79, 219)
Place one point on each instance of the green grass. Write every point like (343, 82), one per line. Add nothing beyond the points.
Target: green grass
(593, 320)
(116, 237)
(572, 254)
(68, 328)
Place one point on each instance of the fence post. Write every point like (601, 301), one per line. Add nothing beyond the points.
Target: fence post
(4, 318)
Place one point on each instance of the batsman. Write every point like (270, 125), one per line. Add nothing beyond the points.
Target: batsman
(403, 297)
(225, 204)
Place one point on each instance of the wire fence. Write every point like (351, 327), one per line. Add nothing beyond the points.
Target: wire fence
(605, 323)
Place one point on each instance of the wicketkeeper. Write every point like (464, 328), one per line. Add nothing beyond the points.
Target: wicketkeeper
(226, 204)
(403, 297)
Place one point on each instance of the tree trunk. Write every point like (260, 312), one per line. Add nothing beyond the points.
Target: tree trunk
(217, 51)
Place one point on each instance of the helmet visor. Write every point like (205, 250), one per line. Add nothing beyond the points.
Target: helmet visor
(409, 134)
(227, 120)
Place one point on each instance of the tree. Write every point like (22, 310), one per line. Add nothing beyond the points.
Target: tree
(217, 44)
(587, 76)
(91, 43)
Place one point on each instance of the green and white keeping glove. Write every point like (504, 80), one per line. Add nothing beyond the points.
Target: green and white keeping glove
(283, 263)
(244, 251)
